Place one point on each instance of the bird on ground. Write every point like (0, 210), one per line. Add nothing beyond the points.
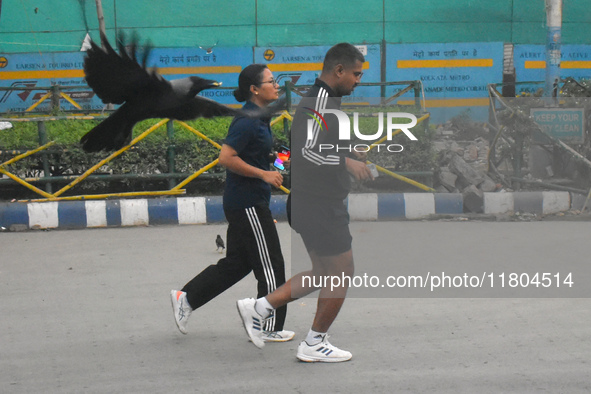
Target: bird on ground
(120, 78)
(219, 242)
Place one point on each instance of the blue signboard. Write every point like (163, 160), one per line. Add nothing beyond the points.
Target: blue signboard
(530, 65)
(66, 69)
(220, 64)
(302, 65)
(43, 70)
(454, 75)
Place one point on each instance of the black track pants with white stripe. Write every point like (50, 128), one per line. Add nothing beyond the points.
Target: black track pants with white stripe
(252, 245)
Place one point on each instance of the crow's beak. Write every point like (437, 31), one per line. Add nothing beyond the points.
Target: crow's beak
(217, 84)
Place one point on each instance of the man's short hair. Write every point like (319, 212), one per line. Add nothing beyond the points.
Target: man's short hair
(343, 53)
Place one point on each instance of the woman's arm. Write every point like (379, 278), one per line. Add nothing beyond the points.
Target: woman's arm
(229, 158)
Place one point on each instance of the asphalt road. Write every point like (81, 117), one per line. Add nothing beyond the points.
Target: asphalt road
(89, 311)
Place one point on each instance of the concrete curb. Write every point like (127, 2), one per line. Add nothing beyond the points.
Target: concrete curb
(201, 210)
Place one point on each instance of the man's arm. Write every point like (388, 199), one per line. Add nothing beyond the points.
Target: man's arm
(312, 143)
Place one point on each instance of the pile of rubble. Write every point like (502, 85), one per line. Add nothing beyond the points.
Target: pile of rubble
(463, 168)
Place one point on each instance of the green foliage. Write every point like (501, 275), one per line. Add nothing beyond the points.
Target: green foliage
(21, 135)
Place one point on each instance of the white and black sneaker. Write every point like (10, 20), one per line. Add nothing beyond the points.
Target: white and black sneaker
(278, 336)
(181, 309)
(322, 352)
(252, 321)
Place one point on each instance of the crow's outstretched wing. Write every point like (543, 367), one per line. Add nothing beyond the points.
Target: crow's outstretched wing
(119, 77)
(199, 107)
(206, 108)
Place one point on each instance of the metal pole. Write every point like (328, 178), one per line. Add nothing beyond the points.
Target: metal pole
(55, 99)
(553, 42)
(256, 23)
(383, 66)
(417, 88)
(517, 160)
(44, 158)
(101, 21)
(288, 108)
(170, 152)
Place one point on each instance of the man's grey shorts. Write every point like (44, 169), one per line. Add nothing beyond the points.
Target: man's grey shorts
(323, 224)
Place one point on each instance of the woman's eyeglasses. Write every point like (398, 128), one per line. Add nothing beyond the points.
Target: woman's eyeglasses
(272, 82)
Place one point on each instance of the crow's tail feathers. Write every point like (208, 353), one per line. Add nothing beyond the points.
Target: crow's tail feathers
(111, 134)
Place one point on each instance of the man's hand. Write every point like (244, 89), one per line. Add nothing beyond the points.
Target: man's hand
(358, 169)
(273, 178)
(361, 156)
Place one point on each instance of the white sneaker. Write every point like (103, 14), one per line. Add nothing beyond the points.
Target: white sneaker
(277, 336)
(322, 352)
(181, 309)
(252, 321)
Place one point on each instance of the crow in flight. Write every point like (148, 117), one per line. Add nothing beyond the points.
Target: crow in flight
(119, 78)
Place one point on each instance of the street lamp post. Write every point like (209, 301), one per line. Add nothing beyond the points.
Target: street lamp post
(553, 41)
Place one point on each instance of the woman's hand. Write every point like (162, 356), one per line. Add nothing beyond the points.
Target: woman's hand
(273, 178)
